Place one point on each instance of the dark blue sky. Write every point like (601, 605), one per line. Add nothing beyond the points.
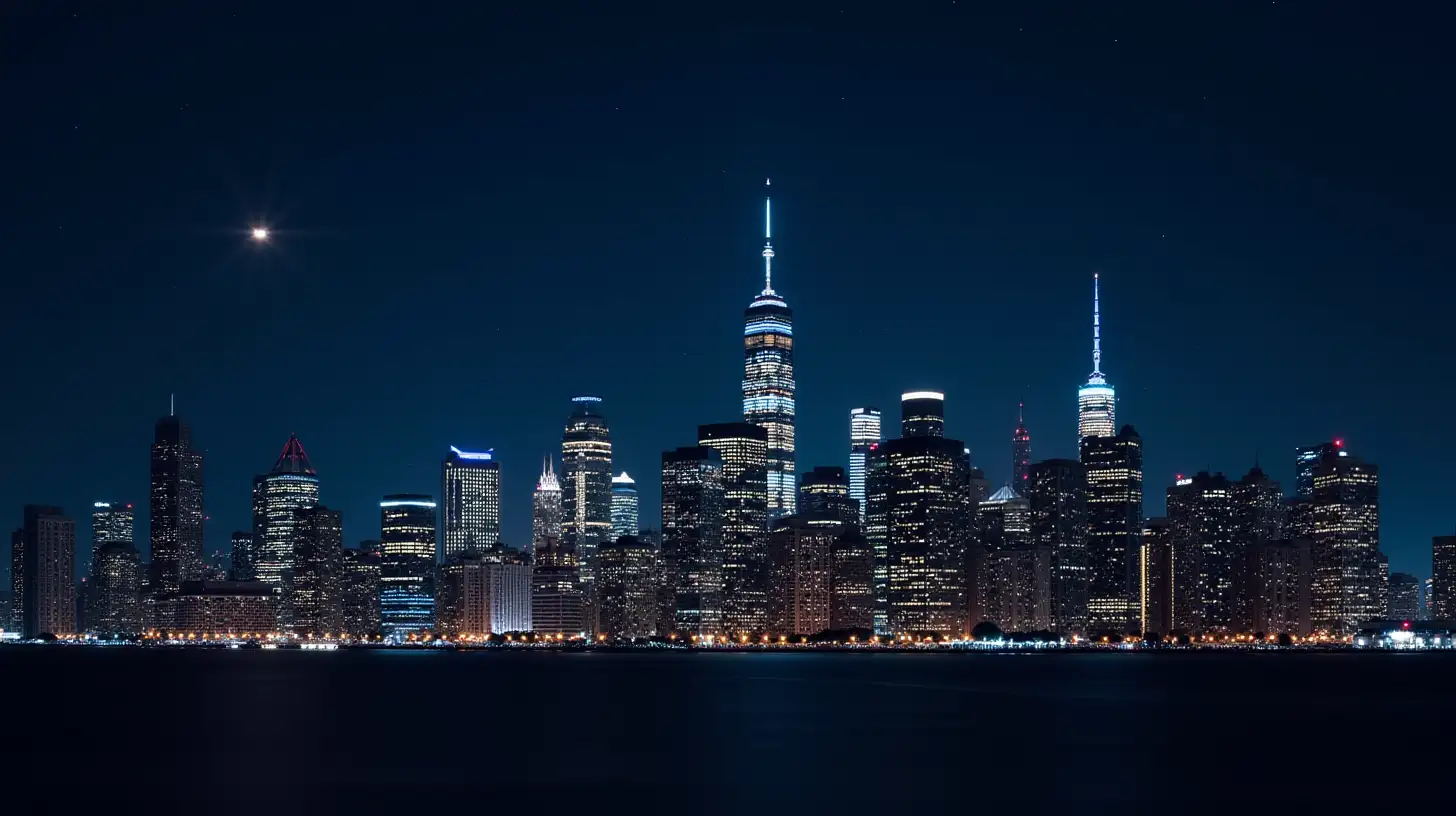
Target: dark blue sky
(480, 213)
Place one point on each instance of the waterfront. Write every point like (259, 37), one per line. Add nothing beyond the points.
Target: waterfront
(818, 732)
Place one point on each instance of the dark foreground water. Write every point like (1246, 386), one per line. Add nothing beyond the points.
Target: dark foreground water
(404, 732)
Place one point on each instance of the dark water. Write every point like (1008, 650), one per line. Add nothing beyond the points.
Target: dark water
(402, 732)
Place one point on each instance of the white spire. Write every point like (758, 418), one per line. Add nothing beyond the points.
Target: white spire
(173, 411)
(1096, 327)
(767, 244)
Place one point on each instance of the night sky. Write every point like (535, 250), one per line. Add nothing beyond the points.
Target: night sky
(481, 212)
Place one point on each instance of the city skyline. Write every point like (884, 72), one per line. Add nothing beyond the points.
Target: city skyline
(1196, 314)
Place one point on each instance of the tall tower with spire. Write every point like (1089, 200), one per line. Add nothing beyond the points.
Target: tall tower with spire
(1020, 452)
(1097, 400)
(292, 485)
(768, 379)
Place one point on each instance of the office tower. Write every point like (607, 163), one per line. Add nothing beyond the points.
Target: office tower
(586, 490)
(864, 431)
(116, 584)
(1057, 499)
(852, 595)
(406, 576)
(47, 569)
(922, 413)
(624, 506)
(692, 537)
(111, 523)
(1442, 585)
(471, 505)
(1155, 577)
(1348, 573)
(1283, 574)
(241, 555)
(801, 556)
(318, 571)
(743, 449)
(1010, 576)
(1096, 400)
(278, 495)
(556, 595)
(1259, 518)
(1425, 601)
(361, 590)
(226, 609)
(1305, 460)
(919, 517)
(176, 508)
(627, 588)
(483, 593)
(1020, 452)
(824, 496)
(1114, 466)
(546, 508)
(1206, 553)
(15, 619)
(768, 379)
(1405, 597)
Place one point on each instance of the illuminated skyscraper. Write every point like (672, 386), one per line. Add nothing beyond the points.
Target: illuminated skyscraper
(1259, 518)
(1155, 577)
(1057, 496)
(1114, 466)
(802, 582)
(922, 413)
(116, 582)
(111, 523)
(1020, 453)
(864, 431)
(318, 571)
(1282, 576)
(1441, 586)
(241, 556)
(824, 497)
(1096, 401)
(768, 380)
(470, 516)
(1011, 579)
(556, 598)
(1206, 554)
(1349, 574)
(627, 588)
(291, 485)
(624, 506)
(546, 507)
(586, 489)
(407, 586)
(1405, 597)
(48, 563)
(1304, 461)
(483, 593)
(692, 537)
(743, 448)
(361, 590)
(176, 508)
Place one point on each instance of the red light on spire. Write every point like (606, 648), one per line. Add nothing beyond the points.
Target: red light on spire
(1339, 443)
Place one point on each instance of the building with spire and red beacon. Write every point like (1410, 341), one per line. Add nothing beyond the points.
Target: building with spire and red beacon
(292, 485)
(1020, 452)
(768, 380)
(1096, 400)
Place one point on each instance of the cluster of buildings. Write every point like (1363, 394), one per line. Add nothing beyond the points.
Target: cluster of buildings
(910, 538)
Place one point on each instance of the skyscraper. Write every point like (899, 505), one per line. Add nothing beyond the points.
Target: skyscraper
(743, 448)
(48, 564)
(802, 570)
(111, 522)
(470, 487)
(624, 506)
(1442, 593)
(407, 587)
(586, 490)
(1349, 576)
(1114, 466)
(824, 497)
(318, 571)
(1304, 461)
(242, 551)
(176, 508)
(692, 537)
(483, 593)
(1020, 452)
(768, 379)
(361, 590)
(1011, 577)
(1096, 400)
(556, 597)
(1155, 577)
(1405, 597)
(278, 495)
(116, 583)
(1206, 553)
(922, 413)
(1057, 498)
(627, 588)
(864, 431)
(546, 507)
(1259, 519)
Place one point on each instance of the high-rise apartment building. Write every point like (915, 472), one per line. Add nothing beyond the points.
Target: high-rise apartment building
(1114, 466)
(407, 574)
(627, 588)
(292, 485)
(1442, 594)
(1020, 452)
(743, 448)
(1155, 577)
(802, 577)
(768, 379)
(1206, 554)
(1057, 499)
(318, 571)
(864, 431)
(586, 489)
(624, 506)
(1282, 577)
(1096, 400)
(361, 590)
(470, 512)
(1349, 571)
(1260, 510)
(116, 584)
(47, 567)
(176, 508)
(482, 594)
(692, 537)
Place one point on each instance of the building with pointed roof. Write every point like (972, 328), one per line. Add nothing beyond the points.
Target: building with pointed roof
(1020, 451)
(292, 485)
(1097, 399)
(768, 380)
(624, 506)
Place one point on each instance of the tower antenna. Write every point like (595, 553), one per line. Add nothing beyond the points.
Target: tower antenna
(768, 252)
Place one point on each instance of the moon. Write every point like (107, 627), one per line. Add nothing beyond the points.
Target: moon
(260, 233)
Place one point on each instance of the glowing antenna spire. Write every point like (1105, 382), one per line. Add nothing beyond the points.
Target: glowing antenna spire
(1096, 327)
(767, 243)
(173, 410)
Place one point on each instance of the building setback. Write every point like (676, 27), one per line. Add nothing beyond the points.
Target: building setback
(692, 538)
(556, 595)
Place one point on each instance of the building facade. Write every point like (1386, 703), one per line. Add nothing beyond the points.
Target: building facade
(1057, 499)
(470, 512)
(239, 609)
(1405, 597)
(1020, 452)
(768, 380)
(624, 506)
(1114, 466)
(1156, 578)
(318, 572)
(1349, 570)
(176, 508)
(407, 571)
(116, 585)
(627, 588)
(361, 590)
(292, 485)
(1206, 554)
(864, 432)
(692, 538)
(801, 596)
(111, 523)
(824, 494)
(586, 490)
(47, 587)
(922, 413)
(743, 451)
(1443, 578)
(1283, 575)
(483, 594)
